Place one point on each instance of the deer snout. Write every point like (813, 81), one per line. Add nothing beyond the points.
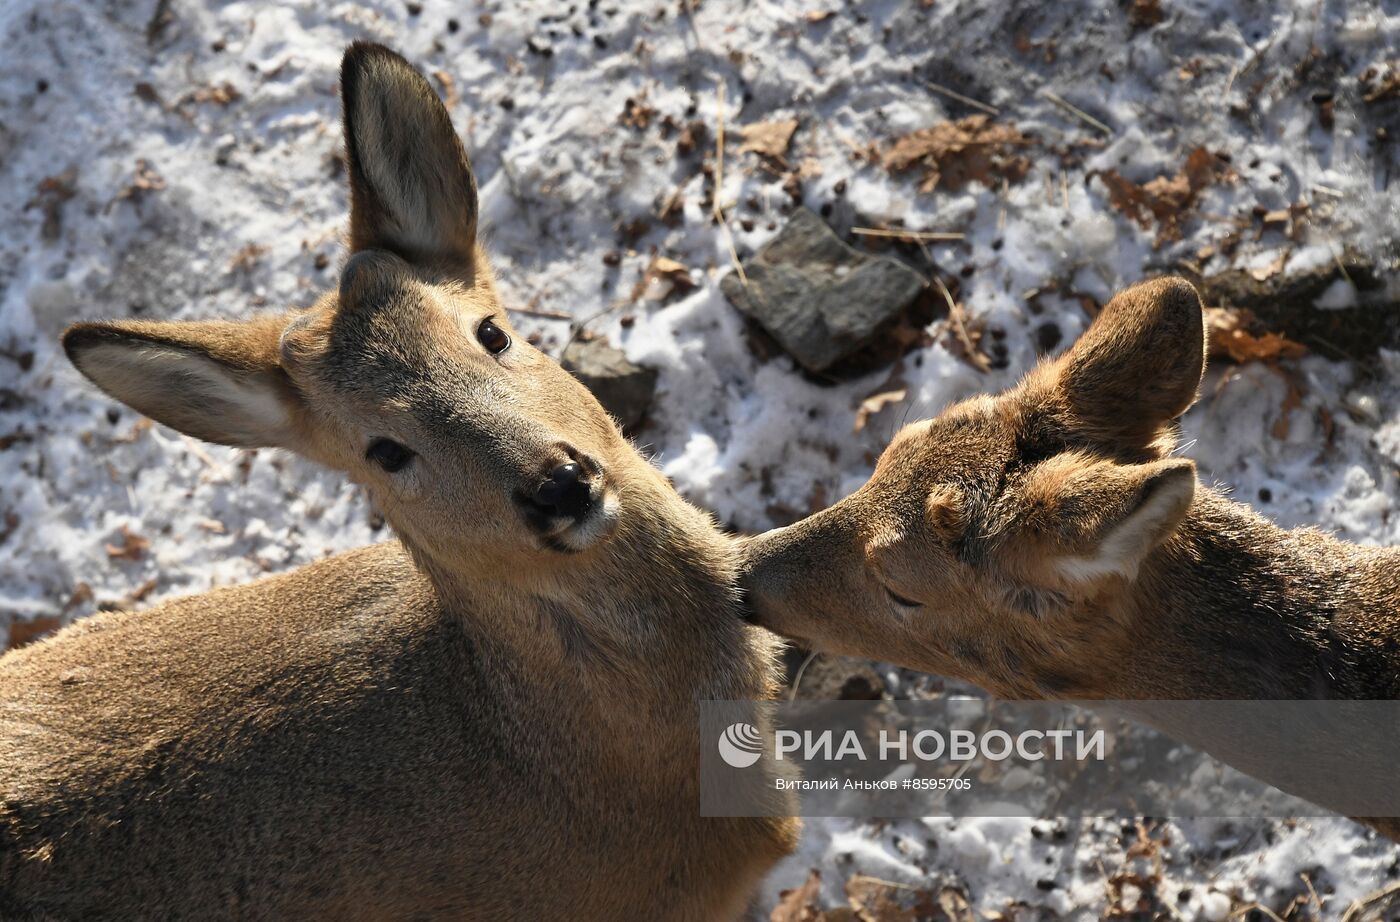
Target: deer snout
(567, 491)
(572, 505)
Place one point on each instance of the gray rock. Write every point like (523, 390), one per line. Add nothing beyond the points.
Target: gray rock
(622, 387)
(819, 298)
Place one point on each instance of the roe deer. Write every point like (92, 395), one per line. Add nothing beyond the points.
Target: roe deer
(493, 717)
(1043, 543)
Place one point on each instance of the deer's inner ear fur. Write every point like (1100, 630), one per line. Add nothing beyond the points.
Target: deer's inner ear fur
(411, 185)
(1137, 367)
(217, 381)
(1090, 521)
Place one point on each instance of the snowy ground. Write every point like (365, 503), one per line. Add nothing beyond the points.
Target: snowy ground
(179, 160)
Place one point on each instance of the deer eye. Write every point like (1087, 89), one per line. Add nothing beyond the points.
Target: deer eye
(389, 454)
(492, 338)
(901, 600)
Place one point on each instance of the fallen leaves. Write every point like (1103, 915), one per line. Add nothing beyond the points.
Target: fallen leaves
(1166, 200)
(246, 257)
(1290, 220)
(870, 899)
(768, 139)
(663, 278)
(132, 546)
(1380, 82)
(450, 97)
(222, 94)
(32, 629)
(876, 900)
(144, 181)
(636, 113)
(967, 336)
(954, 153)
(800, 903)
(1272, 268)
(1144, 14)
(875, 403)
(1230, 338)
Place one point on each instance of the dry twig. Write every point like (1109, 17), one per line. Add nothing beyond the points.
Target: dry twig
(965, 100)
(1074, 110)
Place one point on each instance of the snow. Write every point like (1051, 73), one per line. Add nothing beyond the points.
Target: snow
(560, 178)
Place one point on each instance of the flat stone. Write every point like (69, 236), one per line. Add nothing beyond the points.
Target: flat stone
(820, 299)
(623, 388)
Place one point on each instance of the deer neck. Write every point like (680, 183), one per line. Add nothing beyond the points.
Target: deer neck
(651, 613)
(1236, 607)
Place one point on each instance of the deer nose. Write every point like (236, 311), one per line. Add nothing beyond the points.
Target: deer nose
(566, 491)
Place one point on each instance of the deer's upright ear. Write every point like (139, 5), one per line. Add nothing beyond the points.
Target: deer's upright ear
(1137, 367)
(1091, 520)
(215, 380)
(411, 186)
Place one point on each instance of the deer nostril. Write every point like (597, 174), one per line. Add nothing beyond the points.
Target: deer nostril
(565, 490)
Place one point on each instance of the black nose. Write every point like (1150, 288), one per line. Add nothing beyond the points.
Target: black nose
(565, 492)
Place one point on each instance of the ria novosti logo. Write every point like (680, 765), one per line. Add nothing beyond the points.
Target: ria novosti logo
(740, 745)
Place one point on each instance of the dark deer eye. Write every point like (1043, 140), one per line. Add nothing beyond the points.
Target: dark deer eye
(901, 600)
(493, 338)
(389, 454)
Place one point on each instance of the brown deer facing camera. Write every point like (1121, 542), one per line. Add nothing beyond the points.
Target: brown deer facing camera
(494, 718)
(1044, 543)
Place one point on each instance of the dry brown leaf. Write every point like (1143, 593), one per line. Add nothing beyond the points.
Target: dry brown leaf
(450, 97)
(663, 278)
(876, 900)
(636, 113)
(1145, 13)
(1290, 220)
(953, 154)
(875, 403)
(132, 547)
(1166, 200)
(81, 593)
(223, 94)
(36, 628)
(816, 16)
(955, 906)
(246, 256)
(138, 429)
(140, 592)
(1379, 83)
(1231, 339)
(768, 139)
(1292, 400)
(145, 180)
(967, 335)
(1273, 268)
(800, 903)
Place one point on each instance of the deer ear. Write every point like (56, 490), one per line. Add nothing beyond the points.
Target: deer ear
(215, 380)
(411, 186)
(1092, 520)
(1137, 367)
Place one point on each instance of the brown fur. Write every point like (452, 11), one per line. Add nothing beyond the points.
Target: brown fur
(485, 721)
(1058, 551)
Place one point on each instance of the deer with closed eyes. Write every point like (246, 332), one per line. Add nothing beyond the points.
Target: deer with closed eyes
(1047, 543)
(492, 717)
